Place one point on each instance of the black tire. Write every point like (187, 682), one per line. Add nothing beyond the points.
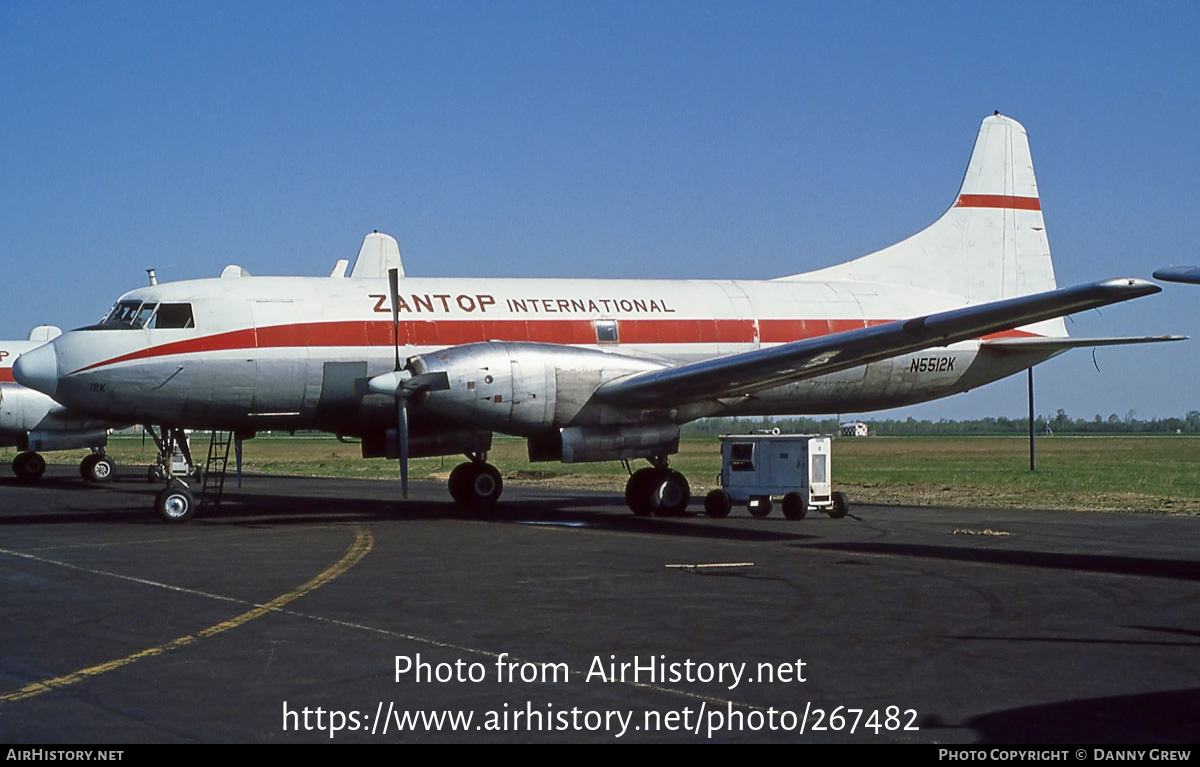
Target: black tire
(85, 466)
(101, 469)
(795, 506)
(475, 484)
(637, 491)
(175, 504)
(840, 507)
(458, 481)
(29, 467)
(485, 485)
(717, 504)
(762, 508)
(670, 493)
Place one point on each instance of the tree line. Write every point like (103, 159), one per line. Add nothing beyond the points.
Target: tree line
(1059, 423)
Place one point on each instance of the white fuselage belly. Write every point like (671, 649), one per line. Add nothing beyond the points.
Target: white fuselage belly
(278, 352)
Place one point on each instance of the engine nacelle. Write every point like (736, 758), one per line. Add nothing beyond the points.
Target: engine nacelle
(30, 420)
(519, 388)
(579, 444)
(22, 409)
(66, 440)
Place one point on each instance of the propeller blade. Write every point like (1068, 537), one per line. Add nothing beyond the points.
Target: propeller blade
(394, 287)
(402, 438)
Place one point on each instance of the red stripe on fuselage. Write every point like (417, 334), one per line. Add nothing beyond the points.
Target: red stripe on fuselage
(1004, 201)
(445, 333)
(6, 376)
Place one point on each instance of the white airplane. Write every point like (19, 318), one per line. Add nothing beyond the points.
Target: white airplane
(30, 421)
(586, 370)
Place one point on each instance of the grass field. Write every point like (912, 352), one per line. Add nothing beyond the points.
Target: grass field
(1145, 474)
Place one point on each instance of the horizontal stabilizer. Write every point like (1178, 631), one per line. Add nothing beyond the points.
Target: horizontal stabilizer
(1179, 274)
(1063, 344)
(748, 372)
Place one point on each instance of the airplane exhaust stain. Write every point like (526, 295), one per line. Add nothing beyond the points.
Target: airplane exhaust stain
(364, 541)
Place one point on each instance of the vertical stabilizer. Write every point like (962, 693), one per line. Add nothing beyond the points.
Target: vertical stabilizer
(991, 244)
(378, 254)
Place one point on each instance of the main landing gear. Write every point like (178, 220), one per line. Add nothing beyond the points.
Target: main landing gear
(657, 490)
(477, 483)
(96, 467)
(29, 466)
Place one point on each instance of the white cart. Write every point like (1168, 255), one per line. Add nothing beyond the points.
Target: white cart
(757, 467)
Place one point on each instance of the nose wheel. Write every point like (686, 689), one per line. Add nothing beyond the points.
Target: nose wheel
(175, 503)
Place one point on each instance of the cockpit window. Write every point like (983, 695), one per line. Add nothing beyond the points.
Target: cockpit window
(128, 314)
(137, 315)
(174, 316)
(149, 315)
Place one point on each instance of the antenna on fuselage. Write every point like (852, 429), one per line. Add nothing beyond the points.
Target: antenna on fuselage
(153, 279)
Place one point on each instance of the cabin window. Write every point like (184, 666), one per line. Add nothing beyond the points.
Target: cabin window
(174, 316)
(741, 456)
(606, 332)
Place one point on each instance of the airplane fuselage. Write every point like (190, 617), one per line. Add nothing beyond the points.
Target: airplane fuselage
(293, 352)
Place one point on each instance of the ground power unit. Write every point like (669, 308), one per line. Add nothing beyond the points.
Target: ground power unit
(758, 467)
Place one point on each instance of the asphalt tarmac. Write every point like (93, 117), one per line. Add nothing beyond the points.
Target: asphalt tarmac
(319, 610)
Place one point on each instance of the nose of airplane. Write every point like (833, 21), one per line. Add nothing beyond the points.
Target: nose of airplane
(38, 369)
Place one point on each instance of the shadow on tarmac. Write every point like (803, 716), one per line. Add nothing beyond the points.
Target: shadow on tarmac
(1156, 717)
(1097, 563)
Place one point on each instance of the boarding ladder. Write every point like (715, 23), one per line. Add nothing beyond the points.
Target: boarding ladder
(215, 467)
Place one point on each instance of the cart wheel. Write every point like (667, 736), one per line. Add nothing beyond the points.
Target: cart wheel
(717, 504)
(760, 505)
(795, 506)
(841, 506)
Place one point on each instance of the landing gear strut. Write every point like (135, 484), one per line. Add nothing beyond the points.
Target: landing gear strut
(657, 490)
(476, 483)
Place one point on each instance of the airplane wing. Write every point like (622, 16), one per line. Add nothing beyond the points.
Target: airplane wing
(748, 372)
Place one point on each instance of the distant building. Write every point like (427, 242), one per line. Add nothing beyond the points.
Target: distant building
(854, 429)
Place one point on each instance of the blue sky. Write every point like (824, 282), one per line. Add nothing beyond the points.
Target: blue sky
(649, 139)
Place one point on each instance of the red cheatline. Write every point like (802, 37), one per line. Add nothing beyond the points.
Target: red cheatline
(1005, 201)
(443, 333)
